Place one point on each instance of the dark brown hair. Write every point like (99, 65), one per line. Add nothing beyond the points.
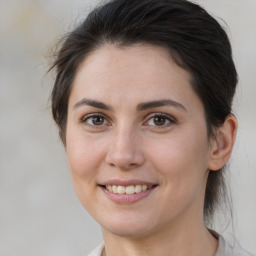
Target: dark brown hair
(194, 40)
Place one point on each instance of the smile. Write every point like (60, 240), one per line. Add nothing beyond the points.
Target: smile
(129, 190)
(127, 193)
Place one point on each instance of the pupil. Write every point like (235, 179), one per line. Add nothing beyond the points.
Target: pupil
(159, 120)
(97, 120)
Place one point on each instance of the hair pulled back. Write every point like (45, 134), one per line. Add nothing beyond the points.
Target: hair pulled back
(194, 40)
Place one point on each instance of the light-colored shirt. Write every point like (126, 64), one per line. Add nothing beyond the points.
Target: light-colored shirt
(224, 249)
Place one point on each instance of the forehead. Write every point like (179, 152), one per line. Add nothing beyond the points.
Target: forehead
(131, 60)
(134, 72)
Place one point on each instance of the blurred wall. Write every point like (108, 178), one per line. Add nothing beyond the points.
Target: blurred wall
(39, 212)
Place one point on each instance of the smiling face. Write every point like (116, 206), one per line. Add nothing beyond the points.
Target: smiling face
(136, 141)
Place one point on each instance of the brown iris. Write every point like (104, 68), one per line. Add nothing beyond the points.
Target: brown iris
(98, 120)
(158, 120)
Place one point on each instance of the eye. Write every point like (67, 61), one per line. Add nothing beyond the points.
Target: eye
(160, 120)
(95, 120)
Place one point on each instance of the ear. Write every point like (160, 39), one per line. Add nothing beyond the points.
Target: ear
(222, 144)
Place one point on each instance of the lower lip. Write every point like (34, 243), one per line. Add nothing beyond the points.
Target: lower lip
(126, 198)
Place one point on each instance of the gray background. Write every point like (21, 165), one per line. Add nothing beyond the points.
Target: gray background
(39, 212)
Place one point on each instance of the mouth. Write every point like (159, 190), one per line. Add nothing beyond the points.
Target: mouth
(127, 194)
(128, 190)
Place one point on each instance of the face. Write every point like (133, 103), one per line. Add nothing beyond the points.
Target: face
(136, 141)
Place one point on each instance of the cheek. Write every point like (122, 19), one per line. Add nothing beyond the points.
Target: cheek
(182, 148)
(183, 171)
(83, 155)
(182, 160)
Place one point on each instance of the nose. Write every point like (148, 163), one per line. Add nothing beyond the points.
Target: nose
(125, 151)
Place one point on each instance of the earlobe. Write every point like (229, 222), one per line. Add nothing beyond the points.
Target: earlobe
(223, 143)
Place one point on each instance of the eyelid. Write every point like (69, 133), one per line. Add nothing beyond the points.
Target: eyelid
(91, 115)
(168, 117)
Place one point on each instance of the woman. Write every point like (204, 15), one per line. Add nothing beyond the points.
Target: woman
(142, 99)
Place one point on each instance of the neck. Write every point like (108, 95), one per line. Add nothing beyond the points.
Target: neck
(190, 240)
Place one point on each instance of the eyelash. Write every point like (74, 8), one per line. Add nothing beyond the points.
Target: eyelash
(86, 119)
(166, 118)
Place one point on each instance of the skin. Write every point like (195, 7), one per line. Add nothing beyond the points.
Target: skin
(165, 145)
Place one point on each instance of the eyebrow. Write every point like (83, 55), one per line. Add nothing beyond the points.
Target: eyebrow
(93, 103)
(160, 103)
(141, 107)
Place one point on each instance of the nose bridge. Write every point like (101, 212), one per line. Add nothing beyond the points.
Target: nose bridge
(124, 149)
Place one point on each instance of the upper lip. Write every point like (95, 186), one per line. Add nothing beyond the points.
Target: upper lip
(127, 182)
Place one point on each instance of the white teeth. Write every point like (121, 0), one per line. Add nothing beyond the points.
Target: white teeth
(137, 188)
(114, 189)
(128, 189)
(120, 190)
(109, 188)
(144, 187)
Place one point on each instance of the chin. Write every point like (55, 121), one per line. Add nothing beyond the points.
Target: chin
(128, 232)
(128, 227)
